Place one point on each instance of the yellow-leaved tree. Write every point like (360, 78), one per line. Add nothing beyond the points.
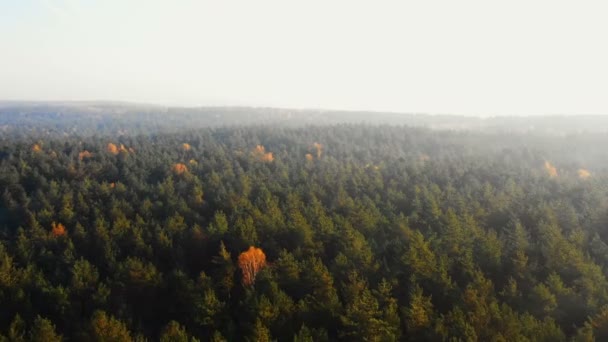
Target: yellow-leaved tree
(251, 262)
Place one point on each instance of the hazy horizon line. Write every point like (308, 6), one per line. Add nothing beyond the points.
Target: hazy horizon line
(135, 103)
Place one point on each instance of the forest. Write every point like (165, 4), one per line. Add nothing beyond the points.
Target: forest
(310, 232)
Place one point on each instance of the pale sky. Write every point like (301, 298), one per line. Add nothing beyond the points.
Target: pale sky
(461, 57)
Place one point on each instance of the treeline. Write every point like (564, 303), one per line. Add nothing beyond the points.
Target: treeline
(44, 119)
(349, 232)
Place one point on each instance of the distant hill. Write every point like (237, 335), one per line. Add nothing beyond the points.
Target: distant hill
(86, 118)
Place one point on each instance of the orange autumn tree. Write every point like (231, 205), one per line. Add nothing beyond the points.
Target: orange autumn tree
(84, 155)
(319, 149)
(268, 157)
(551, 170)
(423, 157)
(583, 174)
(58, 229)
(259, 150)
(179, 169)
(260, 153)
(113, 149)
(251, 262)
(186, 147)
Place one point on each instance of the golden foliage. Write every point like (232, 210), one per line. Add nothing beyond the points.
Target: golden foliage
(319, 149)
(179, 169)
(259, 149)
(260, 153)
(186, 147)
(251, 262)
(268, 157)
(583, 174)
(423, 157)
(309, 157)
(84, 155)
(36, 148)
(58, 229)
(113, 149)
(551, 170)
(193, 162)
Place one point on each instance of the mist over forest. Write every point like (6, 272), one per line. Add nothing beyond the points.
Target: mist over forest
(133, 222)
(86, 118)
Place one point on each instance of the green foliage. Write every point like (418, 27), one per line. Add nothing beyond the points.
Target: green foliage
(260, 332)
(392, 234)
(419, 312)
(105, 328)
(43, 331)
(174, 332)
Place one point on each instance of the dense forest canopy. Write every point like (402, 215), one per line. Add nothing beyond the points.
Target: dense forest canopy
(127, 226)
